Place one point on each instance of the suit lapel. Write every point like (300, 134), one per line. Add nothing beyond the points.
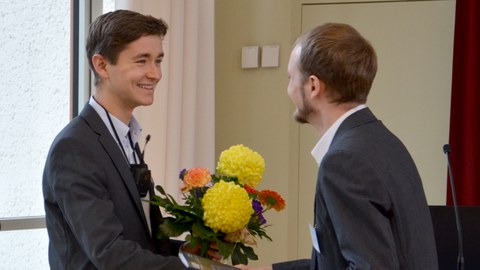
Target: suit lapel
(113, 150)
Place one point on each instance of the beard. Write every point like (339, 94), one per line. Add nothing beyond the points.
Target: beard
(303, 112)
(300, 116)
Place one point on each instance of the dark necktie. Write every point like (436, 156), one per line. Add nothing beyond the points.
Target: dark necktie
(162, 245)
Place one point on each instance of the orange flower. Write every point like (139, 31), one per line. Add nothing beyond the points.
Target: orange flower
(249, 189)
(271, 199)
(196, 177)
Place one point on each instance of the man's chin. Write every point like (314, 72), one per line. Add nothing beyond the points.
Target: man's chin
(146, 102)
(300, 118)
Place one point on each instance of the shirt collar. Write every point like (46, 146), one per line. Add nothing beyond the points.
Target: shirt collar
(322, 146)
(121, 128)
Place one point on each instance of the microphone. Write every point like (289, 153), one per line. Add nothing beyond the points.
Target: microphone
(460, 260)
(147, 139)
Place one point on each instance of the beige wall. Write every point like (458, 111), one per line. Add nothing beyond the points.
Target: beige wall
(252, 107)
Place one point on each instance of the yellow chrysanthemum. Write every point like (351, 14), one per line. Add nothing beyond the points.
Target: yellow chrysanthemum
(244, 163)
(227, 207)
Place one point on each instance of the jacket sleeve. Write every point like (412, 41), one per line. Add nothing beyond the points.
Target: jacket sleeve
(303, 264)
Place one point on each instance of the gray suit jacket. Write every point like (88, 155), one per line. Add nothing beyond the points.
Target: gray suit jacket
(93, 210)
(370, 207)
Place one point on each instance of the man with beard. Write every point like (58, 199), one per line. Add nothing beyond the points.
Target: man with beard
(370, 206)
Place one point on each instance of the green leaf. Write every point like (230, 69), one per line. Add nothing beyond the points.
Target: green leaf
(172, 200)
(200, 230)
(248, 251)
(225, 248)
(216, 178)
(238, 257)
(193, 241)
(242, 253)
(163, 202)
(170, 228)
(161, 190)
(204, 247)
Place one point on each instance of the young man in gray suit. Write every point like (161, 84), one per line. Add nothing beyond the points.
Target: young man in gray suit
(94, 211)
(370, 207)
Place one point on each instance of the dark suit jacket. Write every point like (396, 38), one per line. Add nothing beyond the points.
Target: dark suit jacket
(93, 210)
(370, 207)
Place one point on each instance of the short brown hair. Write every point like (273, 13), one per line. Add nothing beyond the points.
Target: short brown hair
(337, 54)
(110, 33)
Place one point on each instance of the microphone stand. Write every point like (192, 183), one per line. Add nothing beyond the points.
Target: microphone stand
(460, 260)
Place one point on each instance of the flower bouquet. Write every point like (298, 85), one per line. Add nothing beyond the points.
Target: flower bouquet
(222, 208)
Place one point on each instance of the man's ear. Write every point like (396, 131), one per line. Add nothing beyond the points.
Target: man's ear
(100, 65)
(317, 86)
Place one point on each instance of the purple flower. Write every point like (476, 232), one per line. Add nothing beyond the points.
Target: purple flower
(182, 173)
(257, 206)
(198, 192)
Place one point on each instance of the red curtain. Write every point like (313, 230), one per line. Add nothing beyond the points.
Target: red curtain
(465, 105)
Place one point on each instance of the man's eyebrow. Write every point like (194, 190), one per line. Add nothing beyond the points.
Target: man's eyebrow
(147, 55)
